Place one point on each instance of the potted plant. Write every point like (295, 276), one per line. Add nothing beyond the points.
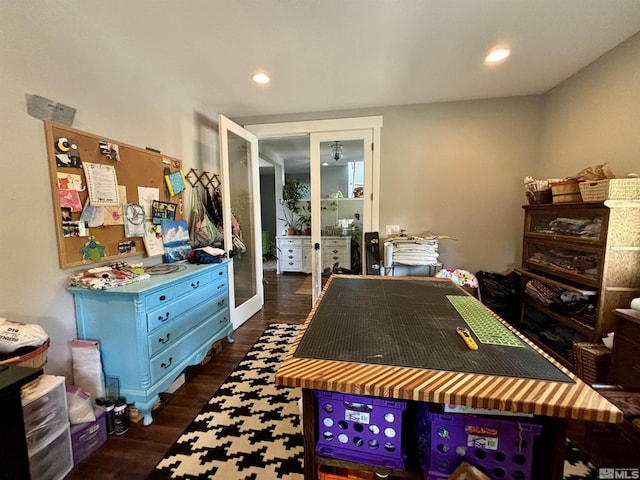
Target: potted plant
(292, 192)
(291, 220)
(305, 219)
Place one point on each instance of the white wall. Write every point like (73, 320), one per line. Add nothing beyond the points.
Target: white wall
(114, 97)
(455, 169)
(594, 117)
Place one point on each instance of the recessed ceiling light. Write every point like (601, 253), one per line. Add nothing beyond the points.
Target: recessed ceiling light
(325, 164)
(261, 78)
(497, 55)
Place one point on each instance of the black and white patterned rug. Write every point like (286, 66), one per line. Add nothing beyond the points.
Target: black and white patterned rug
(250, 429)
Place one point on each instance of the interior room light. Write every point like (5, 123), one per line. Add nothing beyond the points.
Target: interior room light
(325, 164)
(261, 78)
(336, 151)
(497, 55)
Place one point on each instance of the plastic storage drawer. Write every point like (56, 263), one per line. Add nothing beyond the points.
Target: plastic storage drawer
(44, 408)
(52, 460)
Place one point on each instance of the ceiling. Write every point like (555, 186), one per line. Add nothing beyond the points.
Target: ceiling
(335, 54)
(327, 55)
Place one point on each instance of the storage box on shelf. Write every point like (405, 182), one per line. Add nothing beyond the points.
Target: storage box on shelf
(499, 447)
(591, 362)
(566, 191)
(340, 473)
(46, 421)
(87, 437)
(610, 189)
(360, 429)
(578, 264)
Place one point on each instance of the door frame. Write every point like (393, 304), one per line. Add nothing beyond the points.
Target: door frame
(308, 127)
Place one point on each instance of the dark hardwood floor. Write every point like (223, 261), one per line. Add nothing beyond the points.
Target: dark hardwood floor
(134, 454)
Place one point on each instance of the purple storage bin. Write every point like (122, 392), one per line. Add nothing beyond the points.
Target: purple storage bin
(501, 448)
(360, 429)
(86, 438)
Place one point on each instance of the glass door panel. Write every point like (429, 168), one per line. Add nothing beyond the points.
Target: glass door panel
(341, 165)
(241, 200)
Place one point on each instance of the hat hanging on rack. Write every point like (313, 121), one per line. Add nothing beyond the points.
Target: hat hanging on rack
(336, 151)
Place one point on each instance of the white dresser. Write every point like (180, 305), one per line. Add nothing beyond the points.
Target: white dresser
(294, 253)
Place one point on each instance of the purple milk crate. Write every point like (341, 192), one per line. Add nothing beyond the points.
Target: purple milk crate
(360, 429)
(86, 438)
(501, 448)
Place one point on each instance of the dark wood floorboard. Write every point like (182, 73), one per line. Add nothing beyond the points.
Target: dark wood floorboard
(134, 454)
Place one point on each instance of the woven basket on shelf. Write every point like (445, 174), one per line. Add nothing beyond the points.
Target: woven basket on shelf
(611, 189)
(591, 362)
(35, 359)
(594, 191)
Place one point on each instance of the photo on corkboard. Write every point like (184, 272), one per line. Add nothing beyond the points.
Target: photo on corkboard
(163, 211)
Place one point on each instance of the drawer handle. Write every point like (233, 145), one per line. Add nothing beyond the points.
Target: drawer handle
(163, 298)
(220, 273)
(167, 365)
(222, 285)
(195, 285)
(290, 263)
(335, 251)
(220, 303)
(163, 319)
(224, 320)
(164, 340)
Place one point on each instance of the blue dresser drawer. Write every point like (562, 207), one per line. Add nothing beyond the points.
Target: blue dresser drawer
(167, 313)
(194, 283)
(219, 274)
(164, 362)
(159, 297)
(220, 284)
(222, 319)
(170, 333)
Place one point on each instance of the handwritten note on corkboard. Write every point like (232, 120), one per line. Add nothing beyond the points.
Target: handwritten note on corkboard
(67, 150)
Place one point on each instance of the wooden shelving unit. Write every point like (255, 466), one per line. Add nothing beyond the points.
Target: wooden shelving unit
(589, 248)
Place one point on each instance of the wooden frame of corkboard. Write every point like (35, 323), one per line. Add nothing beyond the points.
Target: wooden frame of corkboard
(135, 167)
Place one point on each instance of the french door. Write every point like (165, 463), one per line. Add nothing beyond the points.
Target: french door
(241, 219)
(365, 130)
(340, 208)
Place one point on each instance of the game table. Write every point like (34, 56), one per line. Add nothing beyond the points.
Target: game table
(395, 337)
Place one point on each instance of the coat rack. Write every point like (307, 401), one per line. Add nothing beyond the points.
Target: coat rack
(203, 179)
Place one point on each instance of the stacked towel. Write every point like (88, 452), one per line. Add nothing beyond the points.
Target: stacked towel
(415, 252)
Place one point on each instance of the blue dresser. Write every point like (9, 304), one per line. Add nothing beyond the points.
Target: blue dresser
(149, 331)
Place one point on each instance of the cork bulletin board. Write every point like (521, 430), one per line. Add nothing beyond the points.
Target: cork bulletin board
(71, 154)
